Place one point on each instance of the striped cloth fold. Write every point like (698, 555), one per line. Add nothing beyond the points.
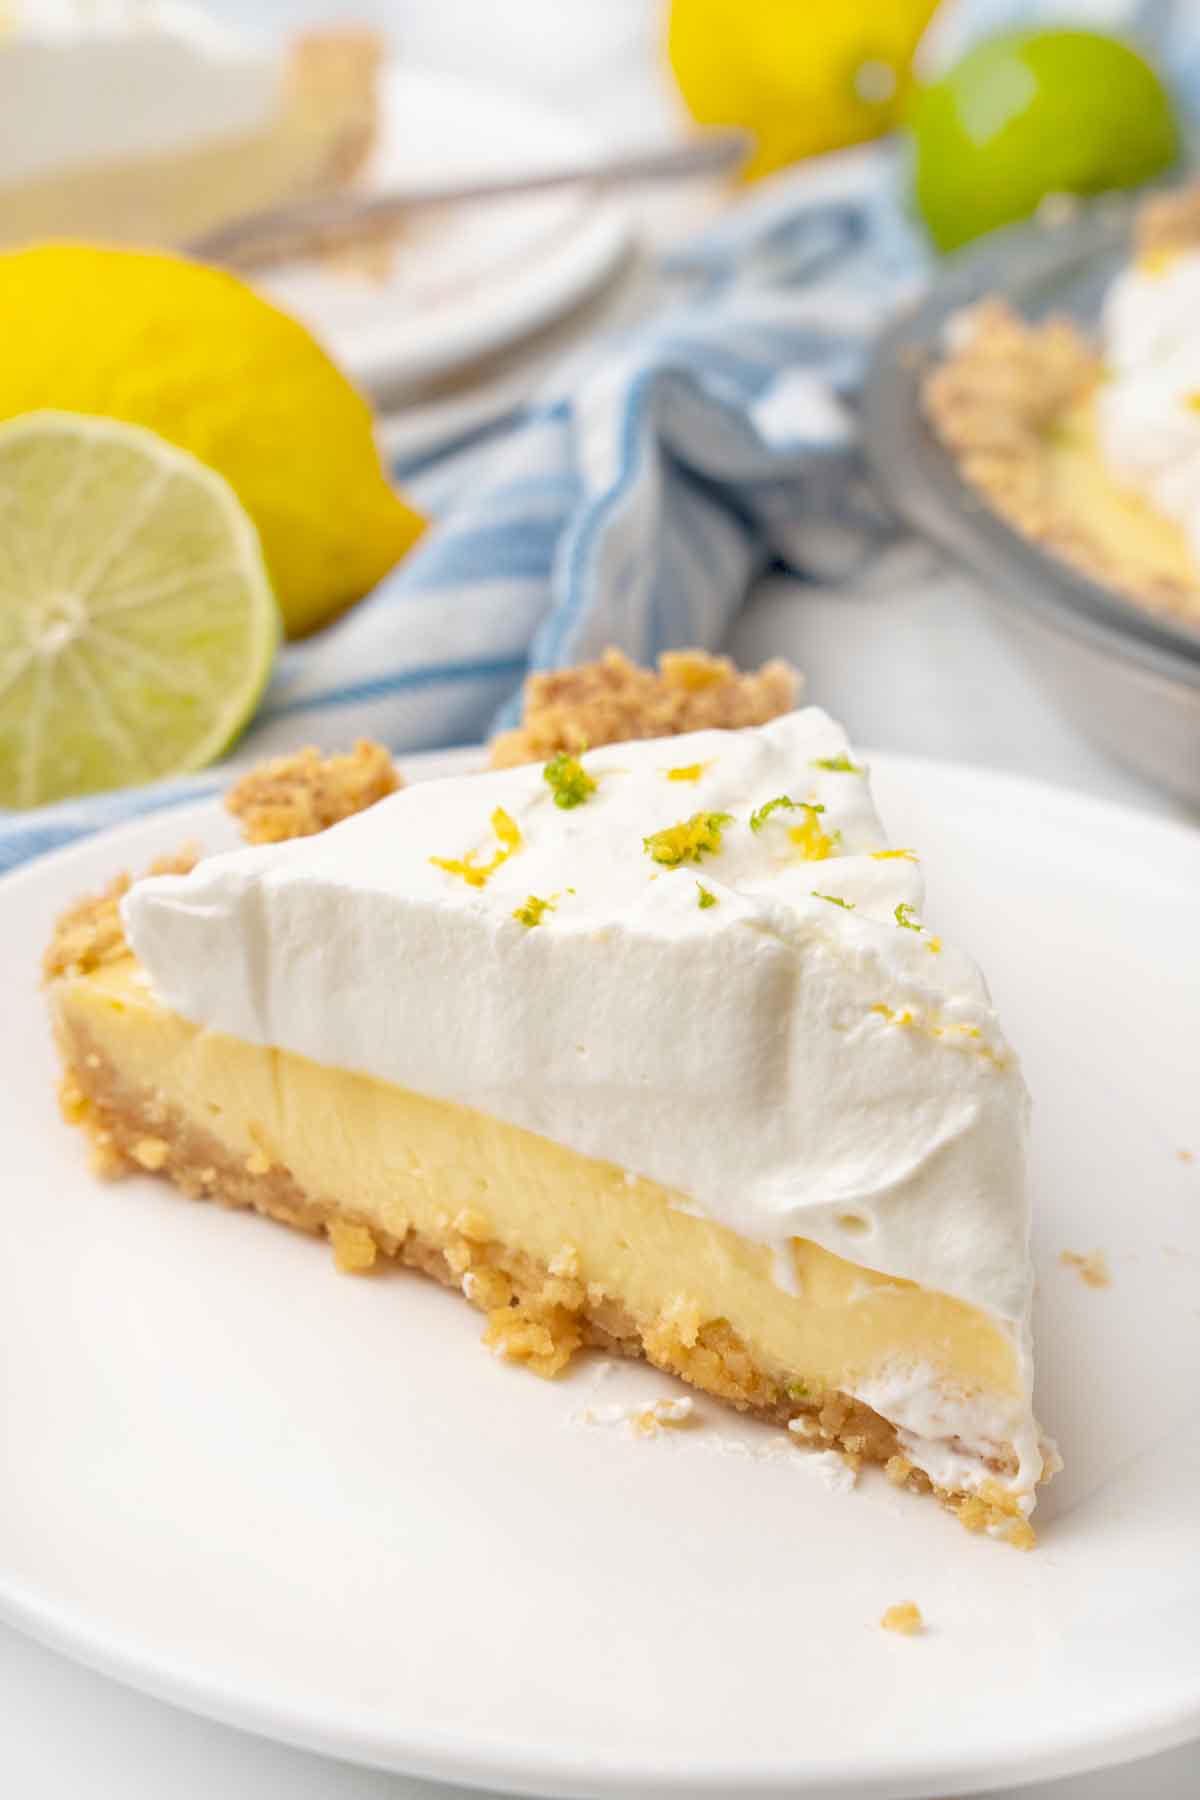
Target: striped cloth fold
(635, 498)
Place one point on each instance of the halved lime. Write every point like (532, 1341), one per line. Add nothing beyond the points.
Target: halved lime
(137, 623)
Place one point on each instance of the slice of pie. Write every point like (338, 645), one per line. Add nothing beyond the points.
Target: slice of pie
(645, 1046)
(151, 125)
(1093, 449)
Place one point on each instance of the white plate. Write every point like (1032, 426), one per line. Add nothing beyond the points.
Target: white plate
(467, 279)
(314, 1507)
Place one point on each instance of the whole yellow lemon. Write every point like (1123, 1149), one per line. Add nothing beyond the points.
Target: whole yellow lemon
(194, 354)
(802, 75)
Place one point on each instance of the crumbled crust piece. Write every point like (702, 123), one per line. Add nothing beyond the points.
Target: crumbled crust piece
(613, 700)
(1169, 222)
(354, 1247)
(996, 394)
(302, 794)
(904, 1618)
(537, 1332)
(1092, 1269)
(90, 933)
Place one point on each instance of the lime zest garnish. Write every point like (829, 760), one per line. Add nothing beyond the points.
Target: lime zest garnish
(687, 771)
(688, 841)
(761, 814)
(839, 764)
(534, 910)
(707, 897)
(477, 874)
(815, 845)
(834, 900)
(568, 779)
(894, 856)
(903, 918)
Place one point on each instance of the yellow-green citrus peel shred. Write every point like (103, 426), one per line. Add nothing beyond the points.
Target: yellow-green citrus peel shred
(688, 841)
(533, 911)
(834, 900)
(904, 917)
(761, 814)
(688, 771)
(839, 764)
(475, 873)
(569, 781)
(707, 897)
(894, 856)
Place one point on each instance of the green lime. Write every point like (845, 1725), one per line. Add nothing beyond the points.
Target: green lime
(137, 623)
(1033, 113)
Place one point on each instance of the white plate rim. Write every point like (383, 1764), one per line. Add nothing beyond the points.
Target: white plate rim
(589, 248)
(1172, 1719)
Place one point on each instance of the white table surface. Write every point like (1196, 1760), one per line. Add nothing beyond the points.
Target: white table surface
(910, 661)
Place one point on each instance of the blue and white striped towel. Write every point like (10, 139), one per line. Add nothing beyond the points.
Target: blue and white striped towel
(636, 498)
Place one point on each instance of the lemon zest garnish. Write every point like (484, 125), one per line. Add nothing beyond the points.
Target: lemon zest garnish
(949, 1030)
(477, 874)
(934, 946)
(907, 1017)
(689, 840)
(569, 780)
(533, 911)
(894, 856)
(834, 900)
(687, 771)
(902, 918)
(707, 897)
(814, 844)
(839, 764)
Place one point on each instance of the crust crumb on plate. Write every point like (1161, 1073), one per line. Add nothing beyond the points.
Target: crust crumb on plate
(1092, 1268)
(905, 1619)
(302, 794)
(613, 700)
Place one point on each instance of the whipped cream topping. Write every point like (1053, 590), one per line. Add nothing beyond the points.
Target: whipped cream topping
(1148, 410)
(103, 80)
(799, 1055)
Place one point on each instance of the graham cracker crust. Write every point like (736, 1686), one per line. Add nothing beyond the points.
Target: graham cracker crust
(537, 1314)
(612, 700)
